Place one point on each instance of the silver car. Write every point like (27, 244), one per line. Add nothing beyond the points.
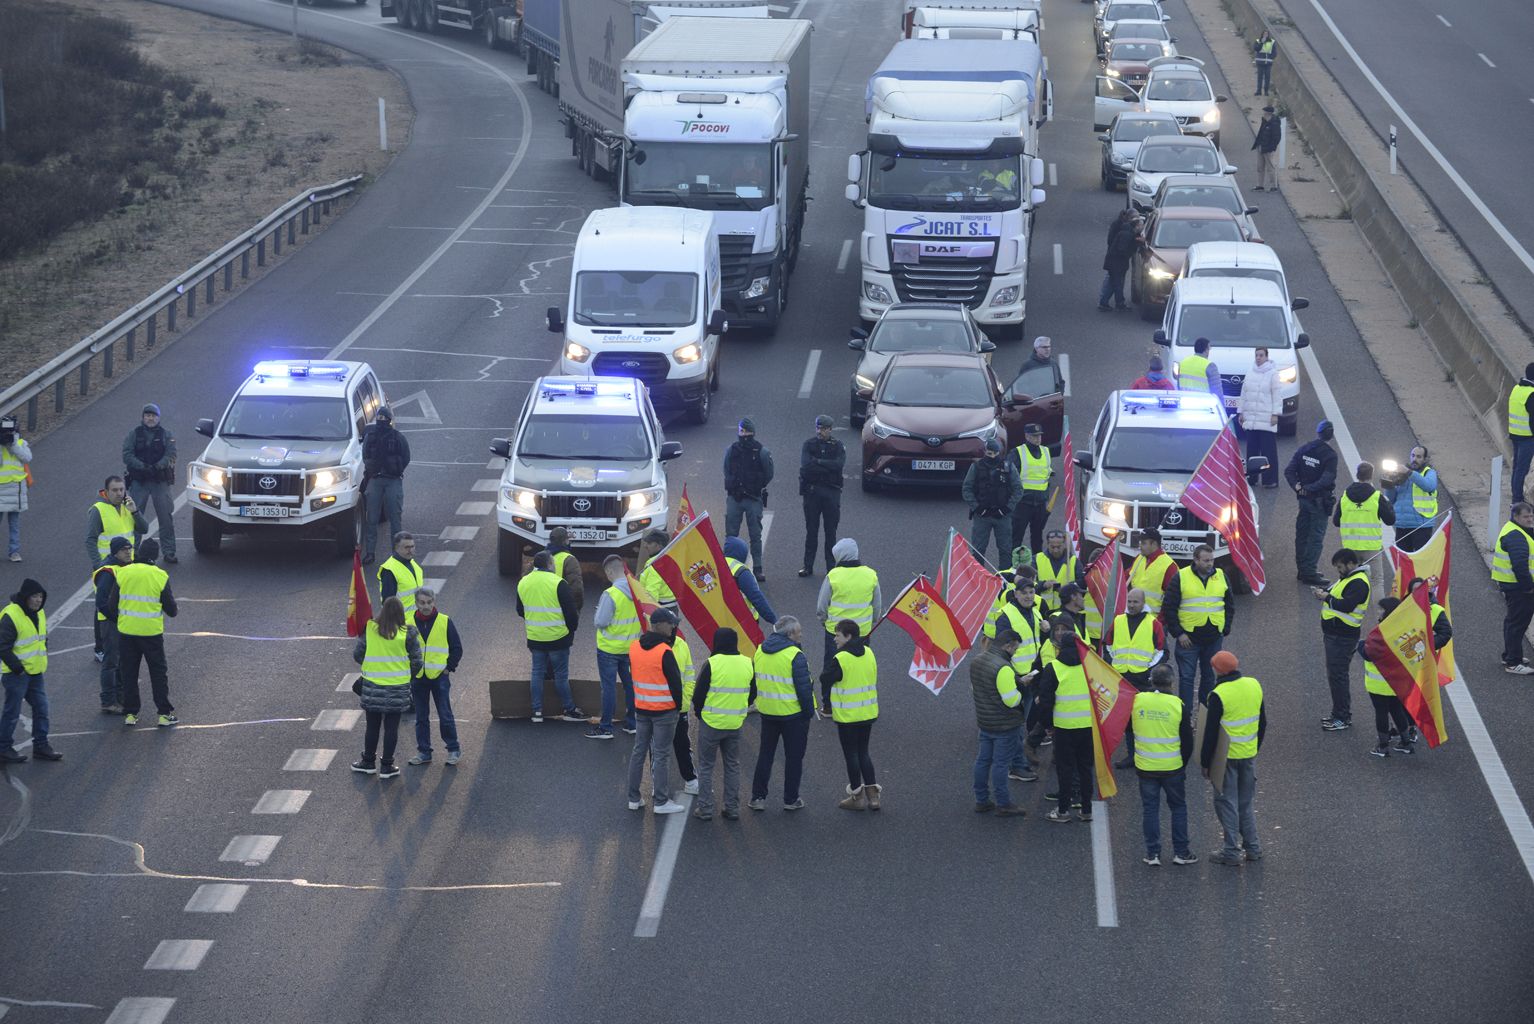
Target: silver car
(1205, 190)
(1121, 142)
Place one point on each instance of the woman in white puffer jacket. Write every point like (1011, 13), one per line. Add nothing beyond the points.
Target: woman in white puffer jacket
(1258, 409)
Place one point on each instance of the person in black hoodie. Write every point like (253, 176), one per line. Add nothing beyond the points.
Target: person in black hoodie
(1073, 746)
(657, 697)
(24, 652)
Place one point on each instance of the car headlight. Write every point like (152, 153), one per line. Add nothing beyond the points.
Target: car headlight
(688, 353)
(1159, 274)
(327, 479)
(1114, 510)
(1121, 159)
(862, 383)
(210, 477)
(521, 498)
(576, 352)
(985, 433)
(643, 499)
(1212, 117)
(1140, 186)
(1288, 375)
(1006, 296)
(884, 430)
(877, 293)
(1115, 73)
(757, 288)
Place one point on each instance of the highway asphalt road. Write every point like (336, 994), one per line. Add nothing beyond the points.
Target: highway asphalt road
(1456, 71)
(509, 887)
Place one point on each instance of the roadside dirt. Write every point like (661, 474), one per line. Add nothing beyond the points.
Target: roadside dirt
(294, 119)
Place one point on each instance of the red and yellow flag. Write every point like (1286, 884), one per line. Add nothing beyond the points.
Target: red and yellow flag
(1431, 562)
(693, 567)
(358, 608)
(1410, 665)
(1112, 701)
(684, 513)
(644, 601)
(921, 612)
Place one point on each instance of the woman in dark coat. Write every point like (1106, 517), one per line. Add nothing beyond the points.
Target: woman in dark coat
(388, 665)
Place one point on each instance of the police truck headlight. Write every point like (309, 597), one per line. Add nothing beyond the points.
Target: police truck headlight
(1006, 296)
(877, 293)
(643, 499)
(757, 288)
(576, 352)
(1114, 510)
(210, 477)
(327, 479)
(521, 498)
(688, 353)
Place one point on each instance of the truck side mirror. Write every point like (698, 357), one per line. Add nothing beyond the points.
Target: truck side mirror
(853, 192)
(1303, 341)
(670, 450)
(205, 427)
(855, 167)
(1086, 461)
(717, 324)
(1036, 171)
(501, 446)
(556, 320)
(1036, 197)
(1160, 338)
(1299, 304)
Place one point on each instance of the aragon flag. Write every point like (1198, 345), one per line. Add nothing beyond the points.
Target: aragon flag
(693, 567)
(1112, 701)
(358, 608)
(1410, 665)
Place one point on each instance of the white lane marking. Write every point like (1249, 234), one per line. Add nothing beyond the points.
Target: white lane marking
(766, 529)
(434, 584)
(216, 898)
(1053, 177)
(281, 801)
(1486, 59)
(310, 759)
(442, 558)
(347, 681)
(1445, 21)
(1102, 868)
(1065, 372)
(807, 382)
(660, 873)
(1059, 259)
(141, 1010)
(252, 851)
(486, 485)
(496, 462)
(1469, 193)
(841, 261)
(428, 416)
(458, 533)
(333, 720)
(178, 955)
(475, 508)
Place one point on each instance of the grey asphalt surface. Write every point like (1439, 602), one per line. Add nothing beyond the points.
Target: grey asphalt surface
(1474, 113)
(1388, 888)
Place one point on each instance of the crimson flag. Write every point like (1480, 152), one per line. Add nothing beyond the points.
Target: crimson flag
(1107, 592)
(1068, 484)
(968, 589)
(1218, 494)
(358, 608)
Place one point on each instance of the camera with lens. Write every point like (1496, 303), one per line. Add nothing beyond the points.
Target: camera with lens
(7, 430)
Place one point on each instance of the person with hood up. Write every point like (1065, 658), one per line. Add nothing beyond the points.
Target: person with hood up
(1123, 242)
(850, 689)
(657, 697)
(785, 702)
(726, 686)
(1362, 513)
(24, 652)
(1154, 378)
(1063, 703)
(735, 560)
(849, 591)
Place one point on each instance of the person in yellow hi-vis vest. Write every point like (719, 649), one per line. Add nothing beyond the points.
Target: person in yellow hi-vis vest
(785, 702)
(1163, 743)
(725, 687)
(113, 515)
(143, 600)
(850, 689)
(849, 591)
(24, 651)
(1362, 513)
(1236, 709)
(389, 651)
(441, 651)
(1064, 703)
(15, 476)
(104, 579)
(548, 608)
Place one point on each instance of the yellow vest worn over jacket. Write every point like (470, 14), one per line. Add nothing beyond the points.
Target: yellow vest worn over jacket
(1157, 721)
(775, 693)
(116, 521)
(852, 597)
(139, 586)
(1202, 600)
(386, 662)
(1073, 701)
(1501, 562)
(855, 696)
(1049, 574)
(434, 648)
(1148, 576)
(1355, 617)
(1133, 651)
(1034, 470)
(729, 691)
(1362, 529)
(407, 581)
(1518, 415)
(1241, 701)
(31, 647)
(1193, 374)
(539, 594)
(615, 637)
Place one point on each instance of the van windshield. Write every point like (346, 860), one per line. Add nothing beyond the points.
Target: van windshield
(1233, 326)
(635, 298)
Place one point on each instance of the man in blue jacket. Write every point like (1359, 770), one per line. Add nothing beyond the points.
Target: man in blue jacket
(1415, 499)
(735, 560)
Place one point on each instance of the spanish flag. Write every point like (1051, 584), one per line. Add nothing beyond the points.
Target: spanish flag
(1112, 701)
(1410, 665)
(693, 567)
(358, 608)
(644, 601)
(920, 611)
(1427, 562)
(684, 513)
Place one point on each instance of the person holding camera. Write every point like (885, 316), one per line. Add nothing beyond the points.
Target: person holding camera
(15, 454)
(149, 456)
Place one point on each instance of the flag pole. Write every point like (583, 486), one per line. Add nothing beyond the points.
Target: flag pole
(896, 600)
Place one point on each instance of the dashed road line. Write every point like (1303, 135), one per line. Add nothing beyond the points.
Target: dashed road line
(178, 955)
(807, 382)
(1059, 259)
(347, 681)
(216, 898)
(476, 508)
(282, 801)
(1102, 867)
(1486, 59)
(1445, 21)
(252, 851)
(841, 261)
(489, 485)
(448, 558)
(141, 1010)
(464, 533)
(336, 720)
(310, 759)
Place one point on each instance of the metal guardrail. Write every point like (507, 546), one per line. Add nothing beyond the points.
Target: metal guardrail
(293, 218)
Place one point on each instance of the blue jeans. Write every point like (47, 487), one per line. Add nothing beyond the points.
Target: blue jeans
(1113, 288)
(1195, 661)
(1174, 785)
(111, 682)
(558, 663)
(610, 669)
(13, 544)
(388, 495)
(1020, 759)
(991, 763)
(983, 528)
(1233, 806)
(425, 692)
(751, 510)
(18, 687)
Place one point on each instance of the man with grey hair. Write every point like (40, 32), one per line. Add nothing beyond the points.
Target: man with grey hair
(441, 650)
(785, 701)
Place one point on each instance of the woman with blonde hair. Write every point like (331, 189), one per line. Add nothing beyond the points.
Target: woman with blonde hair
(389, 652)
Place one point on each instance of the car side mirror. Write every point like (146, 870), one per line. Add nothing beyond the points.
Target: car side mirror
(1303, 341)
(1251, 210)
(670, 450)
(205, 427)
(1230, 169)
(857, 333)
(1299, 304)
(556, 320)
(987, 345)
(857, 344)
(1086, 461)
(501, 446)
(1221, 99)
(1102, 136)
(1256, 464)
(1160, 338)
(717, 324)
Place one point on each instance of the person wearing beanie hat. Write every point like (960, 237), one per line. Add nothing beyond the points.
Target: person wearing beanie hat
(385, 457)
(1236, 722)
(149, 460)
(1312, 474)
(1154, 378)
(105, 581)
(849, 591)
(992, 489)
(140, 605)
(657, 699)
(24, 652)
(822, 459)
(747, 472)
(1161, 740)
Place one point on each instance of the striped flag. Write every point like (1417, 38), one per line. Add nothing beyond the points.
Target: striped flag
(968, 589)
(1068, 485)
(684, 513)
(359, 609)
(1112, 701)
(1218, 494)
(693, 567)
(1106, 588)
(1409, 664)
(1427, 562)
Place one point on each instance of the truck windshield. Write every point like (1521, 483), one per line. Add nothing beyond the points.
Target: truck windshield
(584, 438)
(635, 298)
(709, 176)
(1233, 326)
(948, 183)
(1157, 449)
(288, 418)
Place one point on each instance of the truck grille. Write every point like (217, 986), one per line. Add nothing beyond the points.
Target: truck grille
(580, 506)
(735, 263)
(1231, 382)
(253, 485)
(650, 367)
(1181, 520)
(943, 280)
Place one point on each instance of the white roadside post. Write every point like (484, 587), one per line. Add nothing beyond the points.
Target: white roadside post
(1283, 148)
(1494, 509)
(1392, 149)
(383, 126)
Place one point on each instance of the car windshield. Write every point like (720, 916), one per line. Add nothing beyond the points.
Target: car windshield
(1137, 51)
(1179, 234)
(584, 438)
(1136, 12)
(920, 334)
(1260, 274)
(288, 418)
(921, 183)
(1203, 195)
(1184, 90)
(1139, 30)
(1137, 129)
(1179, 159)
(1231, 326)
(1157, 449)
(938, 387)
(1036, 382)
(709, 176)
(635, 298)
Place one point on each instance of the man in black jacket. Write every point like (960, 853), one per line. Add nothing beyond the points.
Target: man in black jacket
(149, 457)
(385, 456)
(1510, 568)
(999, 714)
(1266, 145)
(747, 472)
(1342, 615)
(1123, 240)
(821, 461)
(24, 651)
(992, 490)
(1312, 473)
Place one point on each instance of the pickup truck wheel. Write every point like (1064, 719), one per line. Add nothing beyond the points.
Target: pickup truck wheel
(698, 411)
(347, 530)
(508, 554)
(207, 533)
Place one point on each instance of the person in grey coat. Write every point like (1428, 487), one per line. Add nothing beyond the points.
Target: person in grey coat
(149, 458)
(15, 454)
(382, 702)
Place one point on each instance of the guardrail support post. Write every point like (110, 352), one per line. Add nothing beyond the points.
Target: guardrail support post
(304, 227)
(85, 378)
(208, 298)
(228, 276)
(149, 332)
(244, 264)
(106, 360)
(132, 337)
(32, 414)
(277, 241)
(58, 395)
(170, 318)
(1494, 518)
(291, 229)
(261, 253)
(191, 302)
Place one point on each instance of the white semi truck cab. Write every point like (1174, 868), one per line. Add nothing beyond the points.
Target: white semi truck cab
(973, 19)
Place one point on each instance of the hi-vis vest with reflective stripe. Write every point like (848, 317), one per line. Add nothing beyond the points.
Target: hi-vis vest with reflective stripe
(386, 662)
(656, 586)
(1361, 526)
(1501, 562)
(31, 647)
(775, 694)
(406, 582)
(1148, 576)
(560, 558)
(1193, 374)
(1156, 720)
(539, 593)
(1073, 701)
(1354, 618)
(1033, 469)
(139, 586)
(434, 648)
(110, 567)
(615, 637)
(1518, 413)
(729, 691)
(1003, 598)
(651, 691)
(1202, 601)
(855, 696)
(1025, 623)
(1424, 503)
(1242, 702)
(1133, 651)
(1266, 52)
(1374, 680)
(683, 655)
(852, 597)
(12, 469)
(115, 522)
(1048, 574)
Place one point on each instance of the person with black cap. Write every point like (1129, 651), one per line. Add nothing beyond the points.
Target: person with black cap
(726, 687)
(140, 605)
(1312, 472)
(1268, 134)
(1036, 469)
(385, 456)
(1064, 703)
(747, 472)
(105, 581)
(657, 698)
(992, 490)
(821, 461)
(24, 652)
(149, 456)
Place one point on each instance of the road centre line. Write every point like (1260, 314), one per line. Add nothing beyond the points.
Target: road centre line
(807, 382)
(1486, 59)
(660, 873)
(216, 898)
(1445, 21)
(282, 801)
(841, 261)
(178, 955)
(1059, 259)
(1102, 868)
(310, 759)
(141, 1010)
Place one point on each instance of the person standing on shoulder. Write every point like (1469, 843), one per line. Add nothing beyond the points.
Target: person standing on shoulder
(149, 458)
(1269, 131)
(1162, 740)
(1312, 473)
(1362, 514)
(1342, 619)
(441, 651)
(1520, 416)
(1035, 467)
(747, 472)
(1257, 409)
(1415, 500)
(850, 688)
(1198, 373)
(15, 477)
(1064, 704)
(657, 696)
(785, 702)
(726, 686)
(143, 601)
(992, 490)
(850, 591)
(113, 515)
(1236, 708)
(401, 575)
(547, 607)
(566, 566)
(734, 561)
(24, 652)
(389, 652)
(104, 579)
(385, 457)
(1198, 609)
(999, 715)
(1512, 569)
(1263, 50)
(822, 459)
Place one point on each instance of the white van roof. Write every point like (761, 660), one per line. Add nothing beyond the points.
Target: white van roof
(1232, 254)
(1220, 291)
(632, 236)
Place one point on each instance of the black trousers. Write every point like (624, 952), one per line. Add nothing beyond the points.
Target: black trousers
(388, 722)
(681, 749)
(1520, 610)
(822, 512)
(1339, 651)
(794, 730)
(854, 737)
(1387, 709)
(1031, 514)
(1073, 767)
(151, 649)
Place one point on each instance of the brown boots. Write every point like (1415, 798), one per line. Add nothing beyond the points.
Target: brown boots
(862, 798)
(871, 793)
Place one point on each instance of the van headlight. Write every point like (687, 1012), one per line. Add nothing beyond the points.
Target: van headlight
(329, 479)
(1288, 375)
(208, 477)
(576, 352)
(1121, 159)
(521, 497)
(640, 500)
(688, 353)
(1114, 510)
(1140, 186)
(757, 288)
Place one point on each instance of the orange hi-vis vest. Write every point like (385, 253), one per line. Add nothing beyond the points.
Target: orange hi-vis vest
(651, 691)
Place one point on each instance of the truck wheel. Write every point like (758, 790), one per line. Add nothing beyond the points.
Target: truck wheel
(487, 30)
(429, 22)
(207, 533)
(508, 554)
(775, 312)
(346, 533)
(698, 411)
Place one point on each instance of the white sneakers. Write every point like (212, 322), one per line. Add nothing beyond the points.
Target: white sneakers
(669, 807)
(691, 789)
(1518, 670)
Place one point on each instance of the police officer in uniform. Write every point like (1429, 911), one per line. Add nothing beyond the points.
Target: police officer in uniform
(821, 461)
(1035, 467)
(385, 457)
(992, 490)
(1312, 472)
(850, 591)
(747, 472)
(1512, 569)
(1520, 416)
(149, 457)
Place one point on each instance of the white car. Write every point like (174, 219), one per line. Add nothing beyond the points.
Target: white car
(1239, 259)
(1164, 155)
(1178, 86)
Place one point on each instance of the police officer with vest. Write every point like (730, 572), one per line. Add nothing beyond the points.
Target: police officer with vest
(546, 605)
(992, 490)
(657, 696)
(1512, 569)
(747, 472)
(143, 600)
(725, 687)
(1312, 473)
(1362, 514)
(1263, 50)
(1520, 416)
(104, 579)
(15, 455)
(1064, 703)
(999, 714)
(566, 566)
(1136, 642)
(149, 458)
(1198, 609)
(1197, 372)
(849, 591)
(785, 703)
(401, 575)
(1152, 570)
(441, 651)
(1237, 711)
(1342, 618)
(113, 515)
(24, 652)
(1055, 567)
(385, 457)
(822, 459)
(1413, 494)
(1161, 737)
(850, 688)
(1035, 468)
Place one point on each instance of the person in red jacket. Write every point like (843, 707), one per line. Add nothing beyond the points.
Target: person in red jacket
(1154, 379)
